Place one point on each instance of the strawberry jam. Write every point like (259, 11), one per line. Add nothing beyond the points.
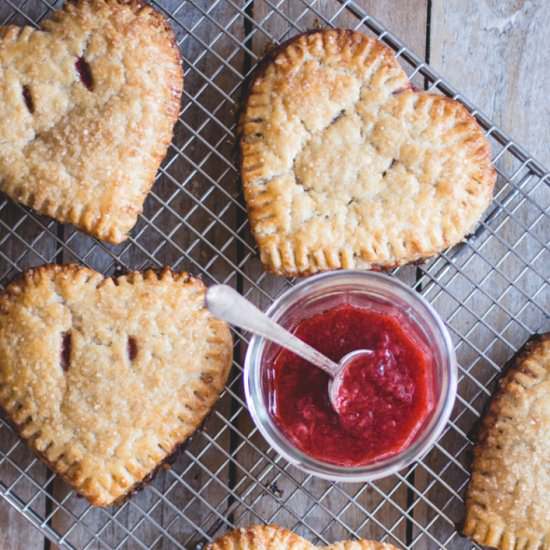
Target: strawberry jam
(385, 397)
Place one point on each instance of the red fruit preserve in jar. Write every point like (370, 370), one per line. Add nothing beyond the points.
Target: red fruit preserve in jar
(384, 399)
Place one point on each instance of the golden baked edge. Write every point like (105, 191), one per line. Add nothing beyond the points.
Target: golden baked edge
(273, 537)
(281, 260)
(475, 526)
(210, 391)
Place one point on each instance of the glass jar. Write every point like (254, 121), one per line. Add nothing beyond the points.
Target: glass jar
(319, 293)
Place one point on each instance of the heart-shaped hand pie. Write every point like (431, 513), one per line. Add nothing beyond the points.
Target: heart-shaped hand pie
(508, 499)
(345, 165)
(87, 108)
(103, 377)
(272, 537)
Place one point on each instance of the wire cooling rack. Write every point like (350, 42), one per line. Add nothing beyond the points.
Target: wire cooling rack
(492, 291)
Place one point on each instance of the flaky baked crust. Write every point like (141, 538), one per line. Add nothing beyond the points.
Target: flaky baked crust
(272, 537)
(344, 165)
(87, 108)
(508, 499)
(105, 377)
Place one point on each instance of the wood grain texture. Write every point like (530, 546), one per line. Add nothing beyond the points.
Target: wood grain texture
(495, 53)
(16, 533)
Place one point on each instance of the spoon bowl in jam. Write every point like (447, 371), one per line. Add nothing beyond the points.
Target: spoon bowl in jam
(227, 304)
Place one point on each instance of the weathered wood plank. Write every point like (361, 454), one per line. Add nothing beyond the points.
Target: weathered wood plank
(495, 53)
(284, 494)
(16, 533)
(492, 51)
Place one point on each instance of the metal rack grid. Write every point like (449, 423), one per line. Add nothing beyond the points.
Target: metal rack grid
(492, 291)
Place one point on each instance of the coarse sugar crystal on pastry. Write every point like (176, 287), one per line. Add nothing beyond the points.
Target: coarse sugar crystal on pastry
(345, 165)
(88, 103)
(105, 377)
(508, 498)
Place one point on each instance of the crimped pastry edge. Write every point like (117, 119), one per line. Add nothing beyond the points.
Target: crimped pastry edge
(223, 340)
(281, 259)
(476, 528)
(273, 537)
(86, 218)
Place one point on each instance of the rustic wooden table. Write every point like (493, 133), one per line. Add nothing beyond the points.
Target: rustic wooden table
(495, 51)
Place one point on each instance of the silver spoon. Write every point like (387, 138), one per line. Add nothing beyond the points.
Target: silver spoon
(227, 304)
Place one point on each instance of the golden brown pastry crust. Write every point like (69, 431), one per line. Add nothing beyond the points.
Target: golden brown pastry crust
(105, 377)
(272, 537)
(508, 499)
(80, 155)
(345, 166)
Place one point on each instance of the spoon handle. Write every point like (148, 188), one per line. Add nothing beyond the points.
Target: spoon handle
(226, 303)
